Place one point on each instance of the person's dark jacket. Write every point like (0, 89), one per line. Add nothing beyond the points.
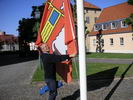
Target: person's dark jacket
(49, 63)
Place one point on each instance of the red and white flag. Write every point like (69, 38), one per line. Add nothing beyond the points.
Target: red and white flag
(58, 31)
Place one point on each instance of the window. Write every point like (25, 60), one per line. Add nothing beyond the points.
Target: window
(97, 27)
(111, 41)
(87, 20)
(121, 41)
(104, 26)
(123, 24)
(113, 25)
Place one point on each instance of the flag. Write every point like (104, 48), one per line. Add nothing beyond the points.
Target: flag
(58, 31)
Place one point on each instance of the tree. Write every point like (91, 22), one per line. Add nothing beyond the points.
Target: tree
(25, 29)
(1, 47)
(129, 20)
(26, 35)
(100, 42)
(130, 2)
(35, 9)
(40, 8)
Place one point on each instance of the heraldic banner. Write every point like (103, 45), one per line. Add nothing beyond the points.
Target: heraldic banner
(58, 31)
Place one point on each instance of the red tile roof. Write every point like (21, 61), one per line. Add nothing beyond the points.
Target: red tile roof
(8, 38)
(113, 13)
(89, 5)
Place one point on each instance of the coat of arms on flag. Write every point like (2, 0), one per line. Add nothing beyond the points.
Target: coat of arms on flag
(57, 30)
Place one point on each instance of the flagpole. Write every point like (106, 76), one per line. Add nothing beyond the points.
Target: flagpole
(81, 45)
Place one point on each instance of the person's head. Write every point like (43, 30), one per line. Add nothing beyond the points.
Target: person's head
(44, 48)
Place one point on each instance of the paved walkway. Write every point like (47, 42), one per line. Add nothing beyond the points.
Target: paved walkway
(15, 84)
(97, 90)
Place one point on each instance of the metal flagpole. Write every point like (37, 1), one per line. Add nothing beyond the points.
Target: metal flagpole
(81, 45)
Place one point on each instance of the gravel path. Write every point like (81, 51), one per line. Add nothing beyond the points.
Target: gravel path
(115, 91)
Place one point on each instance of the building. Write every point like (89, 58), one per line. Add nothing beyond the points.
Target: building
(91, 13)
(8, 42)
(115, 35)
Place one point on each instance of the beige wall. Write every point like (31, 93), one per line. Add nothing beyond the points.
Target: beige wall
(92, 14)
(116, 47)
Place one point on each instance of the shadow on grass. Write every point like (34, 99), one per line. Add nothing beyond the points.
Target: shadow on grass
(99, 80)
(96, 81)
(7, 58)
(118, 83)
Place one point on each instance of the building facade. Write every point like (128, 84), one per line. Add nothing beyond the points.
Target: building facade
(111, 31)
(8, 42)
(91, 14)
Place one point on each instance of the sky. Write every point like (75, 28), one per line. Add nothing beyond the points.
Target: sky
(11, 11)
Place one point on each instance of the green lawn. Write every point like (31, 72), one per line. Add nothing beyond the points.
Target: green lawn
(110, 55)
(93, 69)
(38, 75)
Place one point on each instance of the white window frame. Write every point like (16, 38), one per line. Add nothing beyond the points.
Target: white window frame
(95, 29)
(122, 24)
(103, 27)
(112, 25)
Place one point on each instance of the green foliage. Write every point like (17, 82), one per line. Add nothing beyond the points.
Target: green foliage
(1, 43)
(41, 9)
(130, 2)
(38, 75)
(25, 29)
(100, 42)
(28, 27)
(129, 20)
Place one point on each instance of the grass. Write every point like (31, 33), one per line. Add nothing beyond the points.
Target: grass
(38, 75)
(110, 55)
(94, 68)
